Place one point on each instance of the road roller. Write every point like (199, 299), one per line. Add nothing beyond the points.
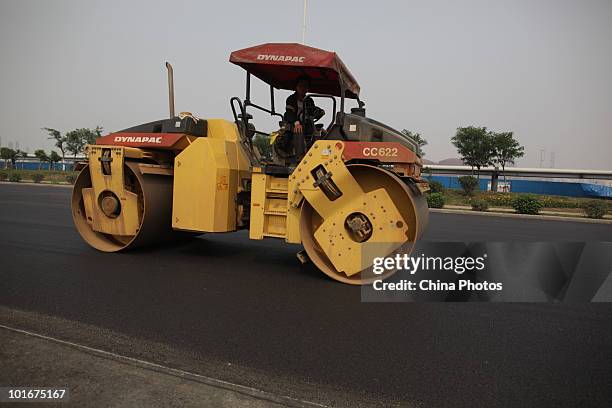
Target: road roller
(354, 193)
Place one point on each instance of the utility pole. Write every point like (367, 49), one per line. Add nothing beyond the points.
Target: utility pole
(304, 25)
(542, 157)
(552, 160)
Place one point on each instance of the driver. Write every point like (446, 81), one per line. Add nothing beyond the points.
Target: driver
(301, 114)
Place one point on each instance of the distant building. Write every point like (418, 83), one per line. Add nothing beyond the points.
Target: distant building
(451, 162)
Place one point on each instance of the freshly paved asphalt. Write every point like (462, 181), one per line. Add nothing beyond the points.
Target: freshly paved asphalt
(247, 312)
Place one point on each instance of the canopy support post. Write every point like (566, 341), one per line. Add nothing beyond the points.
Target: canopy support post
(342, 92)
(272, 99)
(247, 100)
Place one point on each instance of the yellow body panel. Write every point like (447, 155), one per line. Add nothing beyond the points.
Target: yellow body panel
(258, 199)
(127, 223)
(268, 206)
(208, 176)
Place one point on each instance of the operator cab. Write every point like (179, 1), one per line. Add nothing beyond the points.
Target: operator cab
(281, 65)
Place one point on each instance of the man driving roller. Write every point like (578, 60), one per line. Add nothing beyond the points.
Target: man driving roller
(301, 113)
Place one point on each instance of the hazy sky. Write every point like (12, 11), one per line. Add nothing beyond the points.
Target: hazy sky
(542, 69)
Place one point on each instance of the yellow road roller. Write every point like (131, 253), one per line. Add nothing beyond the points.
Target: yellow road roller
(352, 193)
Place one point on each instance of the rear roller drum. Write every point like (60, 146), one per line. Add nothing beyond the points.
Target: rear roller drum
(358, 226)
(154, 210)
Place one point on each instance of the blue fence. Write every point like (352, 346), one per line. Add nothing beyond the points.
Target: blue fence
(30, 165)
(560, 188)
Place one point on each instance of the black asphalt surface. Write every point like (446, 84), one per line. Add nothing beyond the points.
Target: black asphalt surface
(247, 312)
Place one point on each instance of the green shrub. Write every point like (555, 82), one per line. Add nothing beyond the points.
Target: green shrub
(38, 177)
(480, 205)
(526, 204)
(70, 179)
(3, 175)
(435, 200)
(14, 177)
(595, 209)
(435, 186)
(469, 184)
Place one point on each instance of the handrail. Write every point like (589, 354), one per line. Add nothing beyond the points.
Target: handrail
(240, 104)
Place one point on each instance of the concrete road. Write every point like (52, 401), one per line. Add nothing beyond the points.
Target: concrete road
(246, 312)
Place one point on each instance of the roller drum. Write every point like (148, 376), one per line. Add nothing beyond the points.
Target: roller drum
(409, 201)
(154, 210)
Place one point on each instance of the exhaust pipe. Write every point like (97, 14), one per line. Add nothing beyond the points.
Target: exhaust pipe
(170, 89)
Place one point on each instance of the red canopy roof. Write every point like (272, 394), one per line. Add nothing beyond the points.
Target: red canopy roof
(282, 64)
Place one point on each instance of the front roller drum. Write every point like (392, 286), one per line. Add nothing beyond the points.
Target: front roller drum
(358, 225)
(154, 214)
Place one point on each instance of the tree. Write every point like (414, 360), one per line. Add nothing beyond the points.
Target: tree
(9, 154)
(75, 142)
(98, 131)
(263, 146)
(475, 145)
(53, 158)
(418, 139)
(60, 142)
(469, 184)
(507, 150)
(77, 139)
(41, 156)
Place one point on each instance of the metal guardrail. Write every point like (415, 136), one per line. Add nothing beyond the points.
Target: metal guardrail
(521, 172)
(467, 170)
